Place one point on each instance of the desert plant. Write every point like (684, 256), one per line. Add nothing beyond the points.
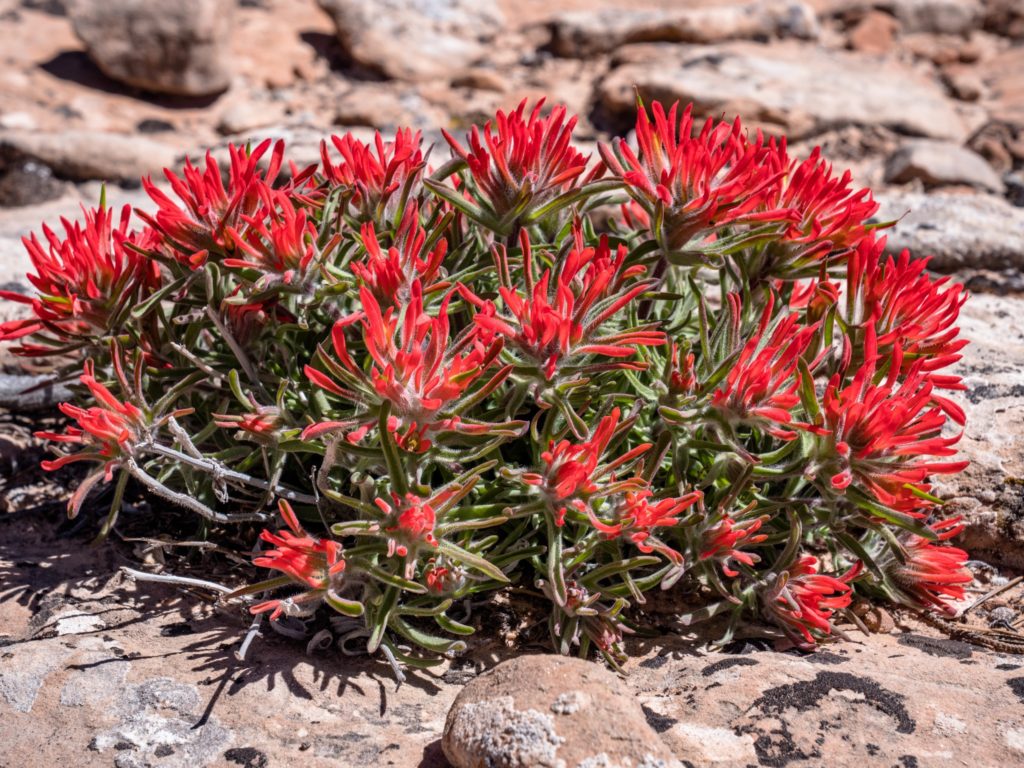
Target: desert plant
(684, 363)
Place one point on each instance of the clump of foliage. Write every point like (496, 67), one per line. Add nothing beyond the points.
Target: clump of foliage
(682, 364)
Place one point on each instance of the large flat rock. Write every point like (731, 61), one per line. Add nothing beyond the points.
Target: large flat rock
(802, 89)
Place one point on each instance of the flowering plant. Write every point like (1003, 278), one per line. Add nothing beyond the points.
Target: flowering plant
(681, 365)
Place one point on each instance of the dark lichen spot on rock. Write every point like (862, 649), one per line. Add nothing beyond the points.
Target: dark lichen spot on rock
(178, 629)
(1007, 667)
(1017, 686)
(776, 748)
(655, 663)
(659, 722)
(164, 750)
(826, 657)
(806, 695)
(937, 646)
(907, 761)
(247, 757)
(718, 666)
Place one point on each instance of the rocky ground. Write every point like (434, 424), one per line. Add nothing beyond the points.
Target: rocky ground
(922, 99)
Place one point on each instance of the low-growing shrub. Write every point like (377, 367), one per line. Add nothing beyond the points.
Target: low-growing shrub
(685, 364)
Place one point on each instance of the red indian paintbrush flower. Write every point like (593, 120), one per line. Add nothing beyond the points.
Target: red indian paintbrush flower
(802, 601)
(762, 384)
(884, 434)
(914, 316)
(699, 182)
(932, 573)
(721, 543)
(373, 173)
(207, 212)
(279, 239)
(311, 562)
(417, 368)
(557, 326)
(521, 161)
(107, 432)
(85, 279)
(572, 471)
(390, 274)
(830, 216)
(638, 517)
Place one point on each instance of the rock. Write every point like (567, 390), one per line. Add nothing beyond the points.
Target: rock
(27, 182)
(84, 155)
(939, 163)
(550, 712)
(246, 115)
(906, 700)
(1004, 17)
(988, 493)
(772, 85)
(413, 39)
(581, 34)
(951, 17)
(1015, 188)
(181, 48)
(481, 78)
(386, 106)
(1003, 76)
(874, 33)
(959, 230)
(964, 82)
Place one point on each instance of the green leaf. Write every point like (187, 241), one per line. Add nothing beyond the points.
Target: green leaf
(457, 553)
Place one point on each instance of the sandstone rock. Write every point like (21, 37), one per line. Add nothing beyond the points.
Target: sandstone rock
(988, 492)
(27, 182)
(550, 712)
(246, 115)
(774, 85)
(588, 33)
(874, 33)
(935, 16)
(939, 163)
(178, 48)
(905, 700)
(964, 82)
(1003, 76)
(958, 230)
(413, 39)
(84, 155)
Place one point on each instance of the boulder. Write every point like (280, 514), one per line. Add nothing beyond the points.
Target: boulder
(180, 48)
(939, 163)
(413, 39)
(588, 33)
(550, 712)
(973, 231)
(950, 17)
(801, 89)
(83, 155)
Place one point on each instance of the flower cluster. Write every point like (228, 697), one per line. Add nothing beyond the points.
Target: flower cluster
(475, 376)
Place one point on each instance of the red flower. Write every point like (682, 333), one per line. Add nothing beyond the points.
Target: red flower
(415, 368)
(389, 275)
(638, 518)
(699, 182)
(932, 573)
(279, 240)
(830, 216)
(520, 161)
(722, 541)
(572, 471)
(261, 423)
(883, 434)
(85, 279)
(913, 315)
(107, 431)
(372, 174)
(557, 327)
(762, 385)
(412, 522)
(209, 211)
(311, 562)
(802, 601)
